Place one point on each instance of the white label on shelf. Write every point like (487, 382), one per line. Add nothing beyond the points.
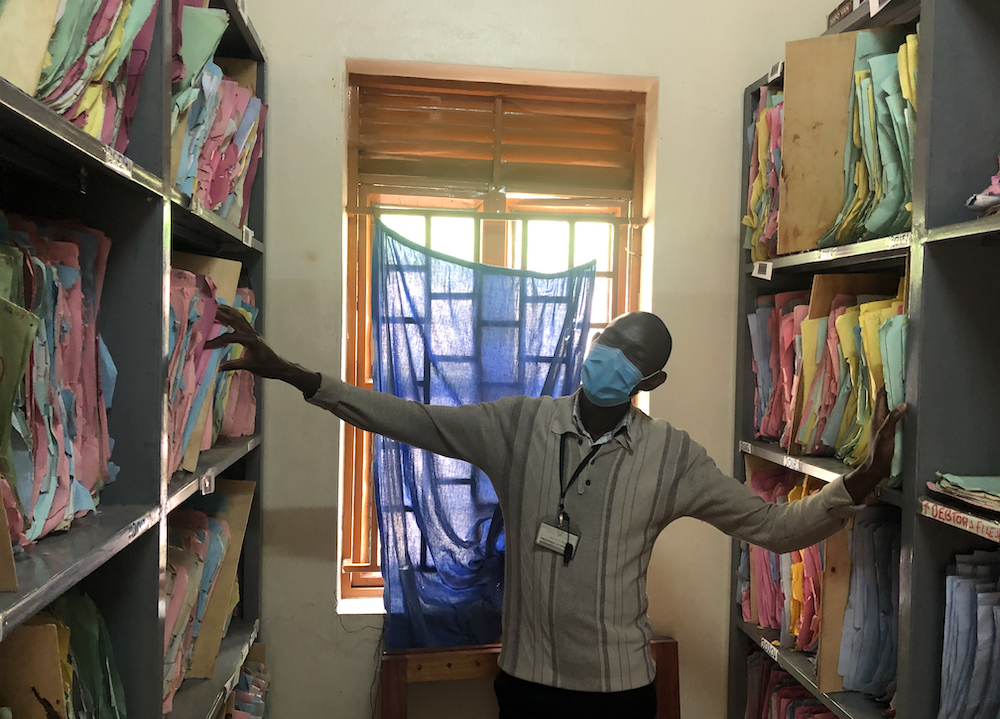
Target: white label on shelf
(208, 482)
(196, 206)
(118, 162)
(746, 447)
(231, 683)
(987, 528)
(247, 236)
(763, 270)
(777, 69)
(769, 649)
(875, 6)
(241, 5)
(826, 255)
(900, 240)
(792, 463)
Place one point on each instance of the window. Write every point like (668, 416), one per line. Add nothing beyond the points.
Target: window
(526, 177)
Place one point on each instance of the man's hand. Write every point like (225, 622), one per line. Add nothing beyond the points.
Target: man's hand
(881, 446)
(258, 357)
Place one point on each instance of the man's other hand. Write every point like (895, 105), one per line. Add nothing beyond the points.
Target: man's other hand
(881, 447)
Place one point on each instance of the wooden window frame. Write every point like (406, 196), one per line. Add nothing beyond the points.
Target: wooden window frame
(360, 568)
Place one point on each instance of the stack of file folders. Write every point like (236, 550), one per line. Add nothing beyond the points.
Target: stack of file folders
(869, 638)
(878, 155)
(218, 123)
(981, 492)
(970, 662)
(195, 389)
(60, 663)
(782, 591)
(196, 547)
(761, 221)
(772, 693)
(987, 202)
(85, 59)
(821, 357)
(251, 692)
(55, 450)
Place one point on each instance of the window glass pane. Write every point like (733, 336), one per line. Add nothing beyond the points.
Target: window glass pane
(602, 301)
(411, 227)
(548, 246)
(592, 241)
(455, 236)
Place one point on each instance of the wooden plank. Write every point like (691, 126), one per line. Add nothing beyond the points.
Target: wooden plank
(426, 131)
(441, 169)
(8, 574)
(819, 75)
(826, 287)
(463, 87)
(453, 664)
(244, 72)
(558, 176)
(30, 672)
(571, 156)
(239, 496)
(619, 128)
(426, 117)
(836, 588)
(394, 688)
(25, 29)
(424, 100)
(375, 147)
(555, 108)
(562, 138)
(668, 682)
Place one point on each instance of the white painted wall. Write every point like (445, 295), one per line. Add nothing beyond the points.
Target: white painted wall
(703, 54)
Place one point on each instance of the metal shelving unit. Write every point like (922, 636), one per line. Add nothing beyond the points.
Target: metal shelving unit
(202, 698)
(117, 555)
(953, 387)
(846, 705)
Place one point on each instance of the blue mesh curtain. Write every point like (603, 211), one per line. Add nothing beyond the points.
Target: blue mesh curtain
(448, 333)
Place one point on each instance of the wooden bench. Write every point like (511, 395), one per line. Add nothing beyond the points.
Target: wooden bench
(404, 667)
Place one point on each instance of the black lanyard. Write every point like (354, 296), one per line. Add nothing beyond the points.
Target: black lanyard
(564, 486)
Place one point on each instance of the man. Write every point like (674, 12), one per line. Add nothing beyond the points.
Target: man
(585, 483)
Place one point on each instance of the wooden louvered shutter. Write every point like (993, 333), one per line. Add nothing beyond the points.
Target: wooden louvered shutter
(501, 137)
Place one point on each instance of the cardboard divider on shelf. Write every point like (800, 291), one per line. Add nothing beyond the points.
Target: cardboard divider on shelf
(236, 513)
(226, 276)
(31, 680)
(8, 574)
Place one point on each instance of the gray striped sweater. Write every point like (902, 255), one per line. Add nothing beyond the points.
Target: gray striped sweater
(584, 625)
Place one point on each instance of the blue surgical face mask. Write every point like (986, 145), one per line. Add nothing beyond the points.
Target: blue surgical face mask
(609, 378)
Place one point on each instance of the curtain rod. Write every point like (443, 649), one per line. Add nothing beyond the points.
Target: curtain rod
(376, 210)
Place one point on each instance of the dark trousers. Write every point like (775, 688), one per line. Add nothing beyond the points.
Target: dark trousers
(519, 699)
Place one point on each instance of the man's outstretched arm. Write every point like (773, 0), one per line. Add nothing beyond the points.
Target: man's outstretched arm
(706, 493)
(471, 432)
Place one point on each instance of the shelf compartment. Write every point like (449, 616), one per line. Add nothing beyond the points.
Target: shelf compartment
(208, 231)
(857, 253)
(846, 705)
(31, 132)
(202, 698)
(211, 463)
(59, 562)
(896, 12)
(965, 519)
(241, 38)
(980, 228)
(825, 469)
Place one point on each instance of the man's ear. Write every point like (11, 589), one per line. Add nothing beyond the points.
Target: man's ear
(648, 385)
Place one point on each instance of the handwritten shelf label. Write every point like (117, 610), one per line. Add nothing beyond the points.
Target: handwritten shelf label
(118, 162)
(988, 528)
